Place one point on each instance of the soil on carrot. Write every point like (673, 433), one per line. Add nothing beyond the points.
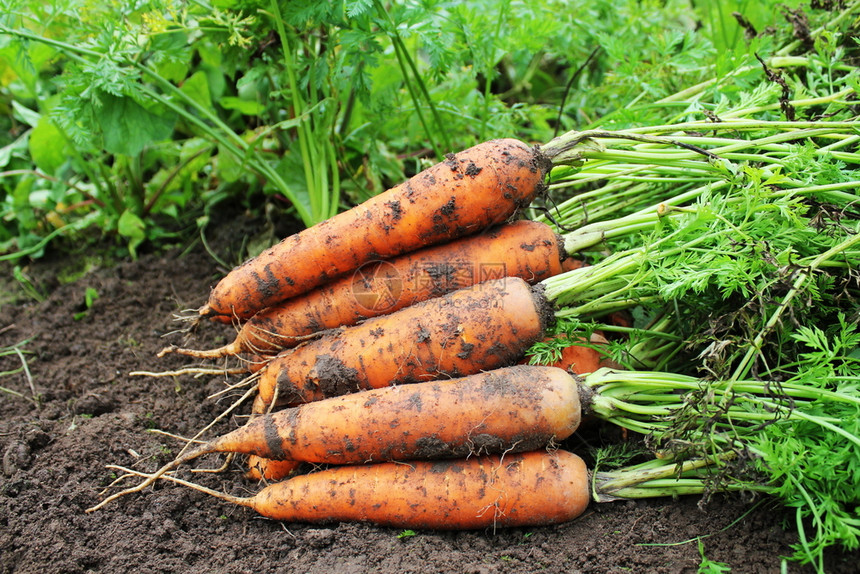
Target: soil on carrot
(90, 412)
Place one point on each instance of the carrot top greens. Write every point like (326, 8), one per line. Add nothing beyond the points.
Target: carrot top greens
(797, 439)
(728, 227)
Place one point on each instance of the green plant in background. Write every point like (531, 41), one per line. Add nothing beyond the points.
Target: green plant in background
(708, 566)
(90, 296)
(148, 114)
(137, 119)
(18, 350)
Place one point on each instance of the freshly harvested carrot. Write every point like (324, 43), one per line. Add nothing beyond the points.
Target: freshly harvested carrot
(571, 263)
(527, 489)
(479, 328)
(582, 358)
(510, 409)
(526, 249)
(465, 194)
(441, 344)
(268, 469)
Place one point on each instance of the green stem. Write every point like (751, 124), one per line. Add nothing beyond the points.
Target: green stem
(147, 208)
(313, 149)
(234, 145)
(742, 124)
(595, 233)
(562, 149)
(608, 486)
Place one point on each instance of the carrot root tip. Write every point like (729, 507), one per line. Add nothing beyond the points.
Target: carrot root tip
(210, 354)
(167, 350)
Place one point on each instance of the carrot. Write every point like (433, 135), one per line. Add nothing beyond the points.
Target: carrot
(260, 468)
(582, 358)
(578, 355)
(527, 489)
(525, 249)
(467, 193)
(267, 469)
(571, 263)
(479, 328)
(575, 358)
(509, 409)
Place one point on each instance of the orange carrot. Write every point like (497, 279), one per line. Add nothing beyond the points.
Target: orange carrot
(511, 409)
(526, 249)
(479, 328)
(526, 489)
(267, 469)
(580, 356)
(571, 263)
(260, 468)
(465, 194)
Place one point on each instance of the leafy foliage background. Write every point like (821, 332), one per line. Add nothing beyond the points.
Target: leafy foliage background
(136, 119)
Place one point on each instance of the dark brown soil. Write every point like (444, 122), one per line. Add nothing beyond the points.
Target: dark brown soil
(91, 413)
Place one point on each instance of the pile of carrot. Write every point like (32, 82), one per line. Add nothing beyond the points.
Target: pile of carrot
(386, 351)
(436, 283)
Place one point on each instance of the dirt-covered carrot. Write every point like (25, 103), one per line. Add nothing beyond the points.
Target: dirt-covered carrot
(479, 328)
(526, 489)
(510, 409)
(525, 249)
(521, 407)
(467, 193)
(475, 329)
(535, 488)
(261, 468)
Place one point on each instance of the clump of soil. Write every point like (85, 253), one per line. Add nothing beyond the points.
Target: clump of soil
(89, 412)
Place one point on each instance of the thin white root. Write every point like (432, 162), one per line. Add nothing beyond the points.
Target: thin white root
(289, 341)
(114, 483)
(246, 381)
(227, 461)
(122, 477)
(196, 371)
(176, 436)
(165, 470)
(150, 478)
(226, 412)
